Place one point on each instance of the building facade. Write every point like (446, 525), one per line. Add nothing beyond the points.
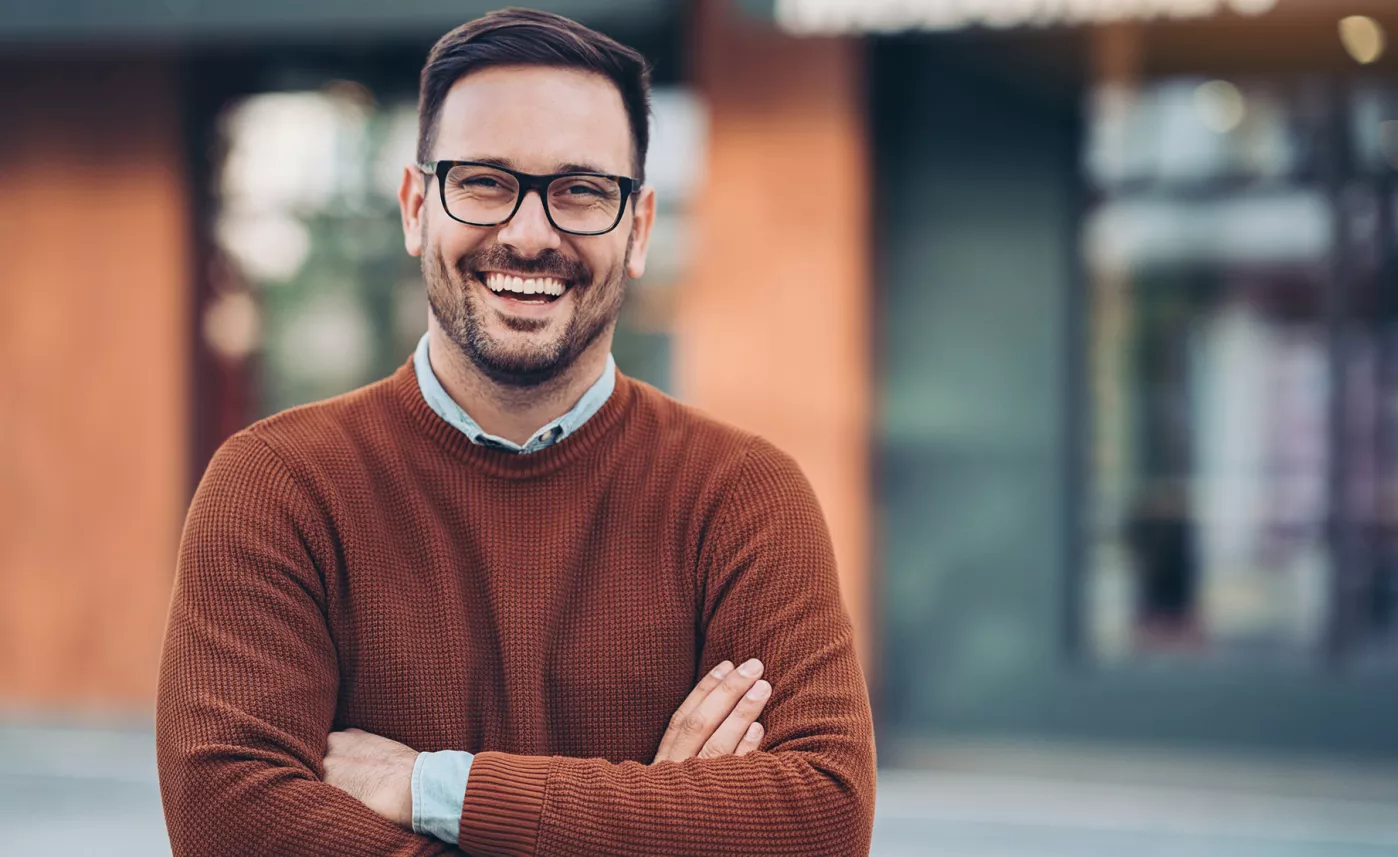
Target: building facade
(1083, 328)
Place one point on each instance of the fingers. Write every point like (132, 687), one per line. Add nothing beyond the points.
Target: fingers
(698, 726)
(735, 728)
(751, 741)
(691, 702)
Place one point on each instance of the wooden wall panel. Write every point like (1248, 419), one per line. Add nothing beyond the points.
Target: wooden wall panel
(93, 379)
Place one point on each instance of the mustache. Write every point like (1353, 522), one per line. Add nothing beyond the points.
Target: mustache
(549, 263)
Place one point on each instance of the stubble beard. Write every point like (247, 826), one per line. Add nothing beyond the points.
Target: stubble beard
(461, 313)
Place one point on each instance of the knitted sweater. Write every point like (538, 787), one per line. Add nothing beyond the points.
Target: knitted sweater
(360, 563)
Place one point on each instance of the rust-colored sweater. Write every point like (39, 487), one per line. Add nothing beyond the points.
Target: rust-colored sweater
(360, 563)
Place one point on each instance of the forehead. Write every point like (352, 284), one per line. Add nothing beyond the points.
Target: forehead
(537, 118)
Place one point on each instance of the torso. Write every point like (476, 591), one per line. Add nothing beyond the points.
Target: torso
(525, 615)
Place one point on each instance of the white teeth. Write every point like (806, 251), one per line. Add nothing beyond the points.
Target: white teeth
(524, 286)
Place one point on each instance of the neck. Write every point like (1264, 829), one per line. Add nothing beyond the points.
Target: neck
(513, 413)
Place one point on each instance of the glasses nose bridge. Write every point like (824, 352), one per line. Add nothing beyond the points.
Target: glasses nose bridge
(537, 185)
(536, 227)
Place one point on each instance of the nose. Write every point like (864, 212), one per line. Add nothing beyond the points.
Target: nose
(529, 231)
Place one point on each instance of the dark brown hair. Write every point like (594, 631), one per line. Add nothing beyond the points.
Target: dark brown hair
(529, 37)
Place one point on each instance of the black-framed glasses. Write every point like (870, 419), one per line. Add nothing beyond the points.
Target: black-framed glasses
(579, 203)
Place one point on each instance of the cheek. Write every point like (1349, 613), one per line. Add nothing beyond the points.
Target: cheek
(604, 260)
(452, 243)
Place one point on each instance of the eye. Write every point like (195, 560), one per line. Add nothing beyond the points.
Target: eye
(480, 181)
(582, 189)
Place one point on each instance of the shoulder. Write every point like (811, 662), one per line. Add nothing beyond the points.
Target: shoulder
(284, 471)
(323, 436)
(693, 433)
(738, 460)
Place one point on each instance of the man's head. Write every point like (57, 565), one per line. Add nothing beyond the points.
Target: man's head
(537, 94)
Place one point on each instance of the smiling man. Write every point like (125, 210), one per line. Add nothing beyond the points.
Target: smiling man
(494, 602)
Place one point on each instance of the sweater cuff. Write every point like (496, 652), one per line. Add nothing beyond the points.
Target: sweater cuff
(504, 804)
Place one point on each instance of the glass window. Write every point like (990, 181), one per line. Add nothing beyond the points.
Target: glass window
(1241, 373)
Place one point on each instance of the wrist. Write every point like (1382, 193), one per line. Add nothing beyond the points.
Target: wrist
(403, 815)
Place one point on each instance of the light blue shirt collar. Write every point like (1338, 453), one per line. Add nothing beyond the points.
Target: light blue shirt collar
(447, 408)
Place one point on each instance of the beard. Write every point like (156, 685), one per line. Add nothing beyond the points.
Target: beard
(462, 312)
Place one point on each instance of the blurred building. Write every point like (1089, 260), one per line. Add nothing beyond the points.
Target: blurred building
(1081, 316)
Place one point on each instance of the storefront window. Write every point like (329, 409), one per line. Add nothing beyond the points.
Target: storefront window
(1241, 373)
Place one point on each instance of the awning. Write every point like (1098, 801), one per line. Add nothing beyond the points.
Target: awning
(815, 17)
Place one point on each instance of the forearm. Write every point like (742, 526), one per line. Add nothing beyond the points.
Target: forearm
(249, 680)
(224, 801)
(763, 803)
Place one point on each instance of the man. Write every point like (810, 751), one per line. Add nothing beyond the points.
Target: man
(466, 607)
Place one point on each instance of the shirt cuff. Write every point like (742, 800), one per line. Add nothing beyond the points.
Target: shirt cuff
(439, 788)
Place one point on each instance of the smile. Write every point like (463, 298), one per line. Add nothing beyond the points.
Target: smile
(528, 289)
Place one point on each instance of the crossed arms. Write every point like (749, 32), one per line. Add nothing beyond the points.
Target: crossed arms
(243, 758)
(718, 718)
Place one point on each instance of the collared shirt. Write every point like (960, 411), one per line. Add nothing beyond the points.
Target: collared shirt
(551, 433)
(439, 779)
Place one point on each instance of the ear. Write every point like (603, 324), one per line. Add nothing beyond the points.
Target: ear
(411, 203)
(642, 220)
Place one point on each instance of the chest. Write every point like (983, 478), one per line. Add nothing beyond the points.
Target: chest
(514, 627)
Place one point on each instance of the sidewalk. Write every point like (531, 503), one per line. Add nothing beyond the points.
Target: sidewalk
(1000, 801)
(66, 791)
(79, 791)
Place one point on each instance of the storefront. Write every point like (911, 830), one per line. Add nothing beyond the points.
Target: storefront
(1137, 349)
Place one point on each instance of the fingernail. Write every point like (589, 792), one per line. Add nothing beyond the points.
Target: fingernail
(754, 731)
(751, 668)
(760, 690)
(723, 669)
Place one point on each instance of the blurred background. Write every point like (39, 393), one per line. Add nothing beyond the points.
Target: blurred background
(1081, 315)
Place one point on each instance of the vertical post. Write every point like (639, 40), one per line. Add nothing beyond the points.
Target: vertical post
(1100, 620)
(773, 329)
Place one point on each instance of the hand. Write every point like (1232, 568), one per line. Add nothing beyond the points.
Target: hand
(376, 771)
(719, 717)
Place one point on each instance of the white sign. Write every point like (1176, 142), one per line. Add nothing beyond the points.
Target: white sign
(810, 17)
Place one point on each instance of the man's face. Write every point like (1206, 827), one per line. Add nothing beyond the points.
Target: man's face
(542, 121)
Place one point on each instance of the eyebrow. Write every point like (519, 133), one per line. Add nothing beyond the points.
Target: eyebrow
(569, 167)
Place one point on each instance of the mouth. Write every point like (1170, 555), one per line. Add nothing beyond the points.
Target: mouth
(524, 290)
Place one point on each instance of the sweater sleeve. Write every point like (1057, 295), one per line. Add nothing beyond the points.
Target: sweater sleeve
(249, 677)
(770, 591)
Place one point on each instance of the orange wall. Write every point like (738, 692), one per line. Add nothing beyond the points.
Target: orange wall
(772, 329)
(94, 265)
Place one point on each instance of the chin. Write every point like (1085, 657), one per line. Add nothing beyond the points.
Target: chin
(520, 364)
